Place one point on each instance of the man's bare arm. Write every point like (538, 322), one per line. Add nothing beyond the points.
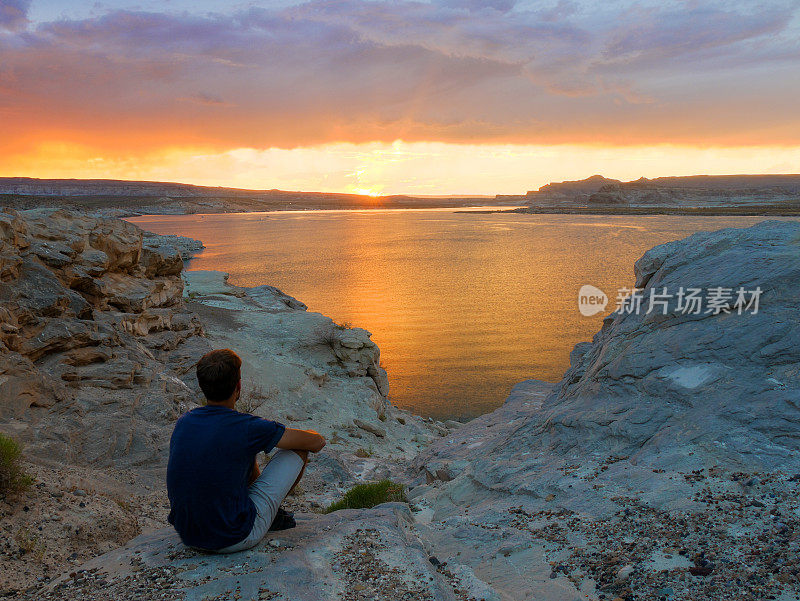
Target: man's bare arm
(301, 440)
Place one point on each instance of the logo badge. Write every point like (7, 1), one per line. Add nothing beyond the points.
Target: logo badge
(591, 300)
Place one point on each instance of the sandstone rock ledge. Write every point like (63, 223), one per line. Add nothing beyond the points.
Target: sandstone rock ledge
(96, 350)
(302, 369)
(94, 339)
(350, 554)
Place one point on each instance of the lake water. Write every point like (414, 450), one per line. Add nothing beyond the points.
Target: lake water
(462, 305)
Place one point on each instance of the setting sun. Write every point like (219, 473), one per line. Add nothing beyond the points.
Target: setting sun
(374, 192)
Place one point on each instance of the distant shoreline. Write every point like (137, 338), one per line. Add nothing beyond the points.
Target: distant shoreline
(700, 195)
(687, 211)
(112, 207)
(134, 206)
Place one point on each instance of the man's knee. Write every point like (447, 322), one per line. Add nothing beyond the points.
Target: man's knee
(303, 455)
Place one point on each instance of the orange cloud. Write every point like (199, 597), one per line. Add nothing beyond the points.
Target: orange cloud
(707, 72)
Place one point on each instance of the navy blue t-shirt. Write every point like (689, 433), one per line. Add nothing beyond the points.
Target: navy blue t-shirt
(211, 455)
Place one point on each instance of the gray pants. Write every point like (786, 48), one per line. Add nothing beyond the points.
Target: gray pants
(266, 493)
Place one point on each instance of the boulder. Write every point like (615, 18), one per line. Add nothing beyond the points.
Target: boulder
(368, 427)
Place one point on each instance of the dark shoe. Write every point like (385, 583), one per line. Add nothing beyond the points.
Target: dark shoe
(283, 520)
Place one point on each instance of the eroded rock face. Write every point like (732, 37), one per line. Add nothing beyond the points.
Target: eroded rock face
(94, 338)
(725, 386)
(658, 394)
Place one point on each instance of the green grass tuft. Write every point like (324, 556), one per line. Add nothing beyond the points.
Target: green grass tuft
(12, 478)
(364, 496)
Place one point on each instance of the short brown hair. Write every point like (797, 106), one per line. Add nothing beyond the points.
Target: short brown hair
(218, 373)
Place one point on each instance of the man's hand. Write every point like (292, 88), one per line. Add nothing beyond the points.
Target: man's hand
(255, 472)
(301, 440)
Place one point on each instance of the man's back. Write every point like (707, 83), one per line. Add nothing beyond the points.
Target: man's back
(211, 454)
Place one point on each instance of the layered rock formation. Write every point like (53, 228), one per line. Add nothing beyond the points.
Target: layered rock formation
(577, 191)
(701, 191)
(94, 339)
(712, 194)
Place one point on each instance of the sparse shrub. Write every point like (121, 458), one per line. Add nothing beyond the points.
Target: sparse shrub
(12, 478)
(364, 496)
(324, 336)
(29, 543)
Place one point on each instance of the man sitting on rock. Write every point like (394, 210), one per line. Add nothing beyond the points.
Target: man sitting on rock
(219, 500)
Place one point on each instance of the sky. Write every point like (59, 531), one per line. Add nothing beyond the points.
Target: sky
(422, 97)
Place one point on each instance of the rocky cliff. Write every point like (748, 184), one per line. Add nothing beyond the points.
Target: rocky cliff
(701, 191)
(94, 339)
(96, 351)
(301, 368)
(572, 191)
(668, 390)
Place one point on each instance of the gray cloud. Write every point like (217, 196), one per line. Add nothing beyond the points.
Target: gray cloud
(14, 13)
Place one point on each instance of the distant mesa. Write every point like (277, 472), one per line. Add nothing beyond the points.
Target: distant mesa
(777, 194)
(574, 189)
